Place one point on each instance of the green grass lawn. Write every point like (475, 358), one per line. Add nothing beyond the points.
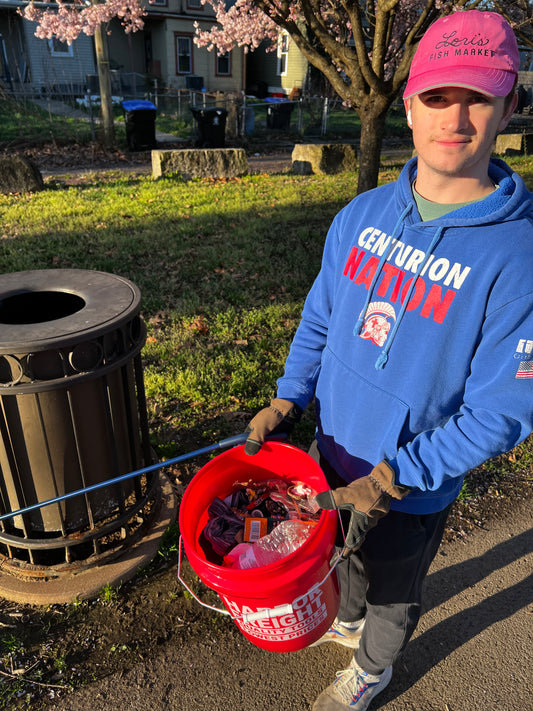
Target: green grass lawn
(24, 121)
(223, 267)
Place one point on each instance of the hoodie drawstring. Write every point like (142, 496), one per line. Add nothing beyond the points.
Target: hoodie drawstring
(384, 355)
(384, 257)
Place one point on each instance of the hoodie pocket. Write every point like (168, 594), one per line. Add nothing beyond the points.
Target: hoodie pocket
(363, 420)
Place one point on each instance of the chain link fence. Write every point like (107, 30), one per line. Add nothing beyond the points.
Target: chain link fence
(247, 116)
(57, 115)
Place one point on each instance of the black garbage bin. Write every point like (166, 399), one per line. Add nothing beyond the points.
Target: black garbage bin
(279, 112)
(211, 123)
(72, 414)
(139, 116)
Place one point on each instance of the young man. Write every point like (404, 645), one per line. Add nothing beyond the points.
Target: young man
(416, 341)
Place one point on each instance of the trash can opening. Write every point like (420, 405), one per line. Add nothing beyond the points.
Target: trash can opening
(39, 306)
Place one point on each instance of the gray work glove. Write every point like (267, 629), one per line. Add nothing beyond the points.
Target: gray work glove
(279, 416)
(367, 499)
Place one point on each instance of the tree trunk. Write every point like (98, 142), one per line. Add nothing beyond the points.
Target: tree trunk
(372, 132)
(104, 78)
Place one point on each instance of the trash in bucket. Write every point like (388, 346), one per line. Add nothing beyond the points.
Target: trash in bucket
(286, 605)
(265, 513)
(285, 539)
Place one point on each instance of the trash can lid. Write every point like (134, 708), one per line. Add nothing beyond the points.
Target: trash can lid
(208, 110)
(138, 105)
(103, 298)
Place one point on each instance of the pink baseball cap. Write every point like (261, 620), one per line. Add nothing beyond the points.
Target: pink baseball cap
(472, 49)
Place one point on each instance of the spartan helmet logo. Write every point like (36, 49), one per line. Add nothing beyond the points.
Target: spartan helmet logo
(376, 325)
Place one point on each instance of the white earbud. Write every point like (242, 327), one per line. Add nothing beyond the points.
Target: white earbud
(409, 121)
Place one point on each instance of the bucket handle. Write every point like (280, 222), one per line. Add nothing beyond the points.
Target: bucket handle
(266, 613)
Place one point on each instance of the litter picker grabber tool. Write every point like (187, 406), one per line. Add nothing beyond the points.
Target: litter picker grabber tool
(223, 444)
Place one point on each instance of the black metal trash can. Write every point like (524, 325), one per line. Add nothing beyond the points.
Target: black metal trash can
(211, 124)
(72, 413)
(139, 117)
(279, 113)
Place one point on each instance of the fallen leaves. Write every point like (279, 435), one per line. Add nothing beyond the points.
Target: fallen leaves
(199, 324)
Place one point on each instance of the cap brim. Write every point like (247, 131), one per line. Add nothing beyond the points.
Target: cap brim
(492, 82)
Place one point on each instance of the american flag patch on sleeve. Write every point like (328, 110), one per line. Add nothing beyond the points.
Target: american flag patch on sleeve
(525, 369)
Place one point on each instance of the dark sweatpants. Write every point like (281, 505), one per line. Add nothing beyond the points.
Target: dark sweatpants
(382, 581)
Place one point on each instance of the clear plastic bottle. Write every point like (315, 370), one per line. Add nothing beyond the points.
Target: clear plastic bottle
(281, 542)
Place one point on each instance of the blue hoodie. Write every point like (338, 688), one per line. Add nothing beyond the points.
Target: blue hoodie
(416, 338)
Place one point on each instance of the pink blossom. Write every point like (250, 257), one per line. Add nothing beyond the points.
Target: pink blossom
(248, 23)
(69, 19)
(242, 25)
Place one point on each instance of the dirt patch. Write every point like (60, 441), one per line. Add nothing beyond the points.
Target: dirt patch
(72, 162)
(52, 158)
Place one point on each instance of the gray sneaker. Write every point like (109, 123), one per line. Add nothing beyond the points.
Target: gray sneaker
(342, 635)
(352, 689)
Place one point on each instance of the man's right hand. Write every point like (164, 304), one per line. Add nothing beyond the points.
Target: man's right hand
(279, 416)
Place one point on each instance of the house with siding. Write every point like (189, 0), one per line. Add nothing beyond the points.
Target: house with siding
(162, 54)
(29, 63)
(283, 72)
(174, 60)
(163, 51)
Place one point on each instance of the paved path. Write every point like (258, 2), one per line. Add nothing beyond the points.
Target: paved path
(471, 652)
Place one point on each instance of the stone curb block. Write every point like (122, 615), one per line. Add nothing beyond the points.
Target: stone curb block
(200, 163)
(508, 144)
(324, 158)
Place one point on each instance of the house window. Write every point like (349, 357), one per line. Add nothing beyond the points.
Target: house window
(59, 49)
(223, 65)
(194, 5)
(283, 52)
(183, 54)
(159, 2)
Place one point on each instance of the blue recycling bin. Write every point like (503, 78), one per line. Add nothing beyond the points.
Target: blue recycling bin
(139, 117)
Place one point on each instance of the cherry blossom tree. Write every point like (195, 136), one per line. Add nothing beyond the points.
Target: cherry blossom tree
(66, 20)
(363, 47)
(519, 13)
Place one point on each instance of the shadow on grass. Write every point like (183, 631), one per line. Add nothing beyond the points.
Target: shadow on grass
(187, 259)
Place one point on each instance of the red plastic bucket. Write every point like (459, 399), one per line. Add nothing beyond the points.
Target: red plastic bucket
(299, 580)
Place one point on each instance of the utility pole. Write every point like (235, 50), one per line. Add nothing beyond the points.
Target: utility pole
(104, 78)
